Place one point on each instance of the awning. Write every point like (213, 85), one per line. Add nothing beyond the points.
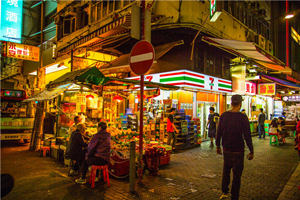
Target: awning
(88, 77)
(281, 82)
(49, 94)
(85, 76)
(250, 51)
(121, 64)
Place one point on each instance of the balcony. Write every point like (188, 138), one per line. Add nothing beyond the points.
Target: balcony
(80, 19)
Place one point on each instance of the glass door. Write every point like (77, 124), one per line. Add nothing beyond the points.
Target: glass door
(202, 114)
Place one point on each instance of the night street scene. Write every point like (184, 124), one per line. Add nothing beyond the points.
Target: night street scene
(150, 99)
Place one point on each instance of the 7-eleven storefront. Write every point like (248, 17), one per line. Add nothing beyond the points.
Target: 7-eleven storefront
(198, 92)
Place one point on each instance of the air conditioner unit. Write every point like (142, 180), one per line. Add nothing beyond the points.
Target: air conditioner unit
(261, 41)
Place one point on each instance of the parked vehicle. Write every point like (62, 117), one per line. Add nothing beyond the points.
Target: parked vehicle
(16, 121)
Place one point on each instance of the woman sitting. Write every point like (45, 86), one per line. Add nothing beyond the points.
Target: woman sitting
(282, 133)
(273, 130)
(77, 149)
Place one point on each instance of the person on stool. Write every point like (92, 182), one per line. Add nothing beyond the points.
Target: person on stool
(77, 149)
(98, 152)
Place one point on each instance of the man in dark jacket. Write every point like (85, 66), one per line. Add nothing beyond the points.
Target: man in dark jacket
(233, 129)
(261, 124)
(98, 152)
(212, 124)
(76, 150)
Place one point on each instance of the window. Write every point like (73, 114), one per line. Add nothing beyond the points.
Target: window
(69, 25)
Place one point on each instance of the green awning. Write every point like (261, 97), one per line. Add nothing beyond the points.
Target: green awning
(89, 76)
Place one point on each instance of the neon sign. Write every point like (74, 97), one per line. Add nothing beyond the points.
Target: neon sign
(11, 20)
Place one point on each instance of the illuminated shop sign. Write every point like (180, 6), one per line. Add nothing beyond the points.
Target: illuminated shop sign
(267, 89)
(13, 94)
(295, 98)
(11, 20)
(190, 79)
(295, 35)
(250, 88)
(212, 7)
(21, 51)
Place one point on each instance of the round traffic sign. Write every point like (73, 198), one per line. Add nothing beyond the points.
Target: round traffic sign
(141, 57)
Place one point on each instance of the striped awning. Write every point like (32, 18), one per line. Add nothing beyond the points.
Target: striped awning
(191, 80)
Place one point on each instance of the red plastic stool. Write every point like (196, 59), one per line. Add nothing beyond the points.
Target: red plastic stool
(93, 174)
(45, 149)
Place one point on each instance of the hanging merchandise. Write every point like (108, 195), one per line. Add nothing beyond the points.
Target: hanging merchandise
(81, 103)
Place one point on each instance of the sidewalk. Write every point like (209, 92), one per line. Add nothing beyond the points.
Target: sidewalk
(192, 175)
(291, 190)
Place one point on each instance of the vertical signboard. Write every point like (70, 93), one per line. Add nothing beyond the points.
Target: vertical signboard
(250, 88)
(11, 20)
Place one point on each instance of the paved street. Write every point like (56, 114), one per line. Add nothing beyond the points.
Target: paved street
(192, 174)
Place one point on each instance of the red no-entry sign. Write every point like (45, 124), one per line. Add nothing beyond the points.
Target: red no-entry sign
(141, 57)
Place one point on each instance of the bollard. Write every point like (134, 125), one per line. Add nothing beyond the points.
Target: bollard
(132, 168)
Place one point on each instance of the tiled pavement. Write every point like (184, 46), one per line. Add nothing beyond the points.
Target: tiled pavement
(192, 174)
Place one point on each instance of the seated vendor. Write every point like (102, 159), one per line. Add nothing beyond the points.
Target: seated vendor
(281, 129)
(76, 150)
(98, 152)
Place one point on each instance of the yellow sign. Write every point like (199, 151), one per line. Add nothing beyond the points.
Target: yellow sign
(295, 35)
(267, 89)
(21, 51)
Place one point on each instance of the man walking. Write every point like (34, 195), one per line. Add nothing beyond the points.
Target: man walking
(261, 124)
(233, 129)
(212, 124)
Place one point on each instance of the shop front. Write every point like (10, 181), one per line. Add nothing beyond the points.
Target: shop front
(198, 92)
(94, 97)
(254, 100)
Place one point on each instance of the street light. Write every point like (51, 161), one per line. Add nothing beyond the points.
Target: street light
(289, 16)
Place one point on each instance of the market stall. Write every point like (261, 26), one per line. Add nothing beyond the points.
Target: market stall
(93, 97)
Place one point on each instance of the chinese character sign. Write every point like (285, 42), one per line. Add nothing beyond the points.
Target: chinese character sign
(22, 51)
(267, 89)
(250, 88)
(11, 20)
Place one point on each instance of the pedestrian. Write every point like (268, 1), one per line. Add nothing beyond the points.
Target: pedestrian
(233, 129)
(261, 124)
(76, 149)
(213, 119)
(171, 129)
(98, 151)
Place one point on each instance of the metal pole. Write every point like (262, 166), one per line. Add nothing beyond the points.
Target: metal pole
(140, 170)
(72, 60)
(287, 33)
(132, 168)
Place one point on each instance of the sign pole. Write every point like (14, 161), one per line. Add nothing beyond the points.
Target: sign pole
(140, 170)
(141, 138)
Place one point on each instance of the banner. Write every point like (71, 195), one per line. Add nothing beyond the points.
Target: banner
(267, 89)
(21, 51)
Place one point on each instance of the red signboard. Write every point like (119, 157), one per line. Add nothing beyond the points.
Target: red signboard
(141, 57)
